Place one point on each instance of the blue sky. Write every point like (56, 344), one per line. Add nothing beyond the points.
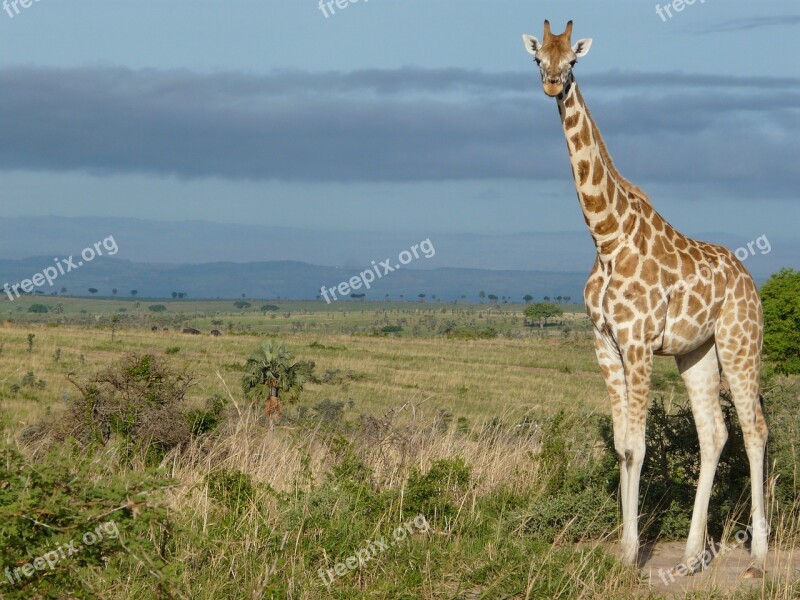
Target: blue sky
(397, 116)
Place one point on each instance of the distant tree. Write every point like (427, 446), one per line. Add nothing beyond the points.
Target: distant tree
(157, 308)
(421, 297)
(265, 308)
(182, 295)
(492, 297)
(270, 375)
(527, 298)
(38, 308)
(402, 296)
(92, 290)
(358, 296)
(174, 294)
(63, 290)
(547, 298)
(541, 312)
(567, 299)
(559, 299)
(134, 292)
(780, 296)
(242, 304)
(114, 292)
(482, 295)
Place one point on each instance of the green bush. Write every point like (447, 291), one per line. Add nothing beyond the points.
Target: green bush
(38, 308)
(672, 464)
(391, 329)
(208, 419)
(50, 505)
(576, 502)
(435, 493)
(780, 296)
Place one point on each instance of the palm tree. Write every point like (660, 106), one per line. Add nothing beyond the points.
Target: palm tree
(269, 372)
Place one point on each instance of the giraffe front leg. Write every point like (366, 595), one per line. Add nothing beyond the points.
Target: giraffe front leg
(637, 365)
(610, 361)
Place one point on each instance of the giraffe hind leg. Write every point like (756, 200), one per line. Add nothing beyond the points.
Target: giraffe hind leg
(700, 372)
(739, 351)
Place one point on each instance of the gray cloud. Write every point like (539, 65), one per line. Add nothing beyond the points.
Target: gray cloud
(755, 23)
(398, 125)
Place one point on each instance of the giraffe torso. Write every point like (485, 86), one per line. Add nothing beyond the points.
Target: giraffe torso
(662, 287)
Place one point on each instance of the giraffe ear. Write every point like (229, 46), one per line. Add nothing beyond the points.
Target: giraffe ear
(532, 45)
(581, 47)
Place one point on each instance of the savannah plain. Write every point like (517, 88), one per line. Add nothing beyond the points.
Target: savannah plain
(495, 433)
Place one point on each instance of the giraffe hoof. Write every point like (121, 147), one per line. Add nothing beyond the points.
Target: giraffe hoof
(753, 573)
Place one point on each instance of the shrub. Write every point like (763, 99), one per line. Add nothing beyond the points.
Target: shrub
(672, 465)
(139, 399)
(780, 296)
(54, 502)
(207, 420)
(38, 308)
(391, 329)
(156, 308)
(434, 494)
(172, 350)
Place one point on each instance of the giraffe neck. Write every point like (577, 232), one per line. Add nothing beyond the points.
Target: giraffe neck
(610, 203)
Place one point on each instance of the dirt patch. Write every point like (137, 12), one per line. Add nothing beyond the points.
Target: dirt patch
(725, 573)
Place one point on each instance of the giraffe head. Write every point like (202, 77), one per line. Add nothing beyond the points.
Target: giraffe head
(556, 56)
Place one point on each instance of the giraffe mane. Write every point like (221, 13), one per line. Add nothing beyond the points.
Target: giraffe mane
(609, 162)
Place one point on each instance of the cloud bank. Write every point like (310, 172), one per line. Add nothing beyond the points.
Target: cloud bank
(401, 125)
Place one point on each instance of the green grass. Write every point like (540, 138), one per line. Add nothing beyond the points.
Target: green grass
(497, 442)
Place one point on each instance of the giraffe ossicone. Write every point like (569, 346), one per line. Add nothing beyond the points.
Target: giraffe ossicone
(640, 304)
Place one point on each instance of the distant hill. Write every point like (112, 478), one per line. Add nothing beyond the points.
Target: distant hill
(288, 279)
(200, 242)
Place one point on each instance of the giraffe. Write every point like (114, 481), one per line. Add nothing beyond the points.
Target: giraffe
(655, 291)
